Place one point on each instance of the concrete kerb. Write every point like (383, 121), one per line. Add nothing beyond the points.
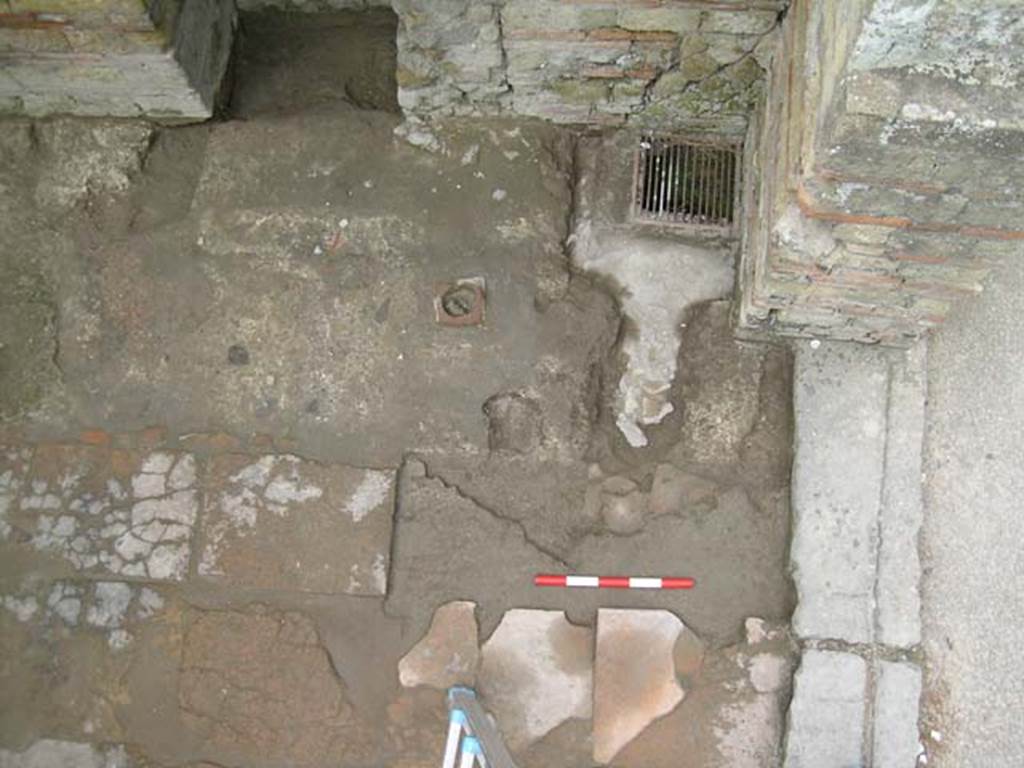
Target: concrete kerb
(857, 511)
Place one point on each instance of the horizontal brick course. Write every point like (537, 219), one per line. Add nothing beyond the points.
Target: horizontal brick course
(876, 252)
(549, 56)
(603, 35)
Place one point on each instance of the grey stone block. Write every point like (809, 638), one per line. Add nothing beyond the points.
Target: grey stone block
(899, 568)
(70, 754)
(897, 696)
(826, 717)
(168, 68)
(840, 396)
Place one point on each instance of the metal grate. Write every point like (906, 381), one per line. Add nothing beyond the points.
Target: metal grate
(686, 182)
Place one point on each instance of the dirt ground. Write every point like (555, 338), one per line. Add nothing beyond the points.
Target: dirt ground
(206, 329)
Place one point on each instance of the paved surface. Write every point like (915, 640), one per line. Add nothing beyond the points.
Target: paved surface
(856, 493)
(826, 718)
(857, 508)
(840, 395)
(973, 604)
(897, 692)
(238, 584)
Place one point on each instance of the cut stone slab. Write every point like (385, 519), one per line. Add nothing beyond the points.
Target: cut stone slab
(897, 703)
(448, 654)
(857, 493)
(826, 716)
(536, 673)
(840, 401)
(281, 522)
(634, 675)
(899, 566)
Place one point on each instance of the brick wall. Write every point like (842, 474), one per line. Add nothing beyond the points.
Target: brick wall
(859, 227)
(117, 58)
(689, 64)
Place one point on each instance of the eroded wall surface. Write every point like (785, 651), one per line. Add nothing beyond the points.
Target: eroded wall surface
(690, 65)
(117, 58)
(693, 65)
(883, 187)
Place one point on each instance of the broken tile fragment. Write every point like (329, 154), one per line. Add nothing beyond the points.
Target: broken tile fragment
(634, 675)
(448, 654)
(65, 600)
(688, 655)
(281, 522)
(111, 604)
(536, 673)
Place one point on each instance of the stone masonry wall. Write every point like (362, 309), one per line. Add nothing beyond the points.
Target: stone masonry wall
(689, 64)
(116, 58)
(692, 65)
(874, 207)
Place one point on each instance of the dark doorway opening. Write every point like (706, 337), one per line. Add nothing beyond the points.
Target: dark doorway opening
(298, 62)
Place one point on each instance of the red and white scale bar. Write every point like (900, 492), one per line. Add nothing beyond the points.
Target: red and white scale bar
(612, 582)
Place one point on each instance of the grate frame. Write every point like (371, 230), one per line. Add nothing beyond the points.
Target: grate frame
(687, 182)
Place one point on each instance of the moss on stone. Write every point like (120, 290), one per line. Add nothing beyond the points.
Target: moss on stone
(409, 79)
(594, 18)
(691, 45)
(697, 67)
(580, 91)
(630, 90)
(671, 83)
(745, 72)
